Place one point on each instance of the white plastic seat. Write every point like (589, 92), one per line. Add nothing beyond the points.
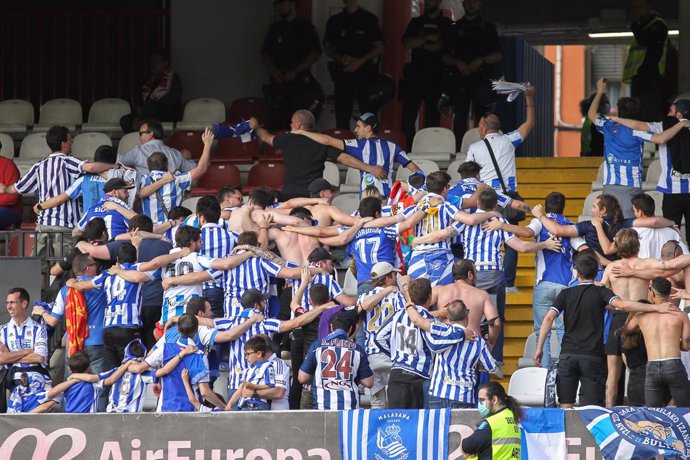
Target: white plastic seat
(527, 358)
(347, 202)
(128, 142)
(85, 144)
(150, 399)
(434, 143)
(62, 112)
(452, 170)
(16, 115)
(598, 184)
(527, 386)
(470, 137)
(427, 166)
(105, 114)
(587, 205)
(7, 149)
(350, 283)
(331, 173)
(34, 147)
(352, 181)
(652, 176)
(200, 113)
(658, 202)
(190, 203)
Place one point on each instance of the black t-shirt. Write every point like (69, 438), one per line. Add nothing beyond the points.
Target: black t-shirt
(288, 43)
(469, 39)
(151, 291)
(304, 160)
(678, 147)
(424, 60)
(588, 231)
(636, 357)
(583, 307)
(353, 34)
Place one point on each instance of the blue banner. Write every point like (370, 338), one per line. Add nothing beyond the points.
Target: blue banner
(639, 433)
(394, 434)
(543, 434)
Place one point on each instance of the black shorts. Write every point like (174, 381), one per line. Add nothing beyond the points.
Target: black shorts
(587, 370)
(405, 390)
(613, 341)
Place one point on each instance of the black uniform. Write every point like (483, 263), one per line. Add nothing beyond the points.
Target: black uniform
(647, 84)
(288, 44)
(352, 34)
(423, 74)
(467, 40)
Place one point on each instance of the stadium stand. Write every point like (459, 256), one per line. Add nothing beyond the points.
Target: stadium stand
(16, 116)
(61, 111)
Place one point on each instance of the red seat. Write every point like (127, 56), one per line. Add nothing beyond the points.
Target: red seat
(244, 108)
(234, 150)
(340, 133)
(395, 136)
(270, 153)
(14, 248)
(189, 140)
(219, 174)
(265, 174)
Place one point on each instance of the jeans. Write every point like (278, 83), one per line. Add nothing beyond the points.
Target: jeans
(666, 379)
(587, 370)
(98, 363)
(216, 297)
(636, 384)
(623, 194)
(360, 335)
(116, 340)
(545, 294)
(510, 265)
(380, 364)
(494, 283)
(676, 206)
(9, 218)
(442, 403)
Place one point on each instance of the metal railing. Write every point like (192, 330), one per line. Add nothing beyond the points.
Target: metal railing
(21, 243)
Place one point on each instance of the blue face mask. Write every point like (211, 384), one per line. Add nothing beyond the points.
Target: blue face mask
(483, 410)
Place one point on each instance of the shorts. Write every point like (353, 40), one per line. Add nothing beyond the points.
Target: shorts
(613, 345)
(587, 370)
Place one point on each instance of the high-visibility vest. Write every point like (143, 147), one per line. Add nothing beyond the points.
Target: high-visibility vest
(637, 53)
(505, 436)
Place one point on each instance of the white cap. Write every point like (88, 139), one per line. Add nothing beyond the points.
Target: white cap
(382, 269)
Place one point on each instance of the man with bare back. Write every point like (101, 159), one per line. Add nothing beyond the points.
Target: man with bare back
(665, 337)
(477, 300)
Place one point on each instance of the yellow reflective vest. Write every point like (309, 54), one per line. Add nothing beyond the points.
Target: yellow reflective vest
(505, 435)
(637, 53)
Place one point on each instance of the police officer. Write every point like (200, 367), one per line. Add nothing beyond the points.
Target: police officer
(354, 41)
(498, 436)
(290, 48)
(422, 74)
(470, 48)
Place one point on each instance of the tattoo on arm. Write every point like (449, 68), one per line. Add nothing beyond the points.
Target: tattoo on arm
(268, 255)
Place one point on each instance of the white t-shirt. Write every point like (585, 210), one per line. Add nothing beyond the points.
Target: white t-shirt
(652, 239)
(503, 146)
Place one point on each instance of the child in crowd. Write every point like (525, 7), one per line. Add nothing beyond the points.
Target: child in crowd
(260, 376)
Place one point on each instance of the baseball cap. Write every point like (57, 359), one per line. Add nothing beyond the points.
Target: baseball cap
(369, 119)
(319, 254)
(117, 183)
(252, 296)
(683, 106)
(382, 269)
(320, 184)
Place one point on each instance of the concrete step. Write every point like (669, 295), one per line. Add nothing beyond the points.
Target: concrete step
(559, 162)
(519, 313)
(549, 176)
(520, 329)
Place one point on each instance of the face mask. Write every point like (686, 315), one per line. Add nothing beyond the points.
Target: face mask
(483, 410)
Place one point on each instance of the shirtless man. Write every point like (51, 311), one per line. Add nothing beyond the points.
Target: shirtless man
(627, 243)
(245, 218)
(477, 300)
(665, 336)
(324, 213)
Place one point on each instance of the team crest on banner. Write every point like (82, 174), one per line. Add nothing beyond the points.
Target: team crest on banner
(394, 434)
(639, 433)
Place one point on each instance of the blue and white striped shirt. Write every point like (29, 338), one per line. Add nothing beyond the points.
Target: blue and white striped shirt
(115, 223)
(254, 273)
(82, 397)
(455, 368)
(28, 335)
(90, 187)
(127, 394)
(445, 217)
(259, 373)
(334, 289)
(238, 363)
(175, 297)
(670, 179)
(216, 242)
(49, 178)
(171, 193)
(377, 152)
(406, 343)
(466, 188)
(503, 146)
(623, 150)
(336, 363)
(377, 316)
(283, 380)
(555, 267)
(484, 248)
(124, 298)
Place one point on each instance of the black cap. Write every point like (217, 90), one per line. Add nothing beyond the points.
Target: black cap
(320, 184)
(252, 296)
(369, 119)
(683, 106)
(117, 183)
(319, 254)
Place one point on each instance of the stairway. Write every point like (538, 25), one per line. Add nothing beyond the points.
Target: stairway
(537, 177)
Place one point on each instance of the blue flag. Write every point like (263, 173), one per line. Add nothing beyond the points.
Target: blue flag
(241, 130)
(638, 433)
(394, 434)
(543, 434)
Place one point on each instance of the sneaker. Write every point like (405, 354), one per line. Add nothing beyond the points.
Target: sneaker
(512, 290)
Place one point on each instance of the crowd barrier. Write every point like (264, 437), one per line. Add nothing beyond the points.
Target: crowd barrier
(298, 435)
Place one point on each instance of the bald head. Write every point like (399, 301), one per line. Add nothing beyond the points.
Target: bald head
(489, 123)
(670, 250)
(306, 119)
